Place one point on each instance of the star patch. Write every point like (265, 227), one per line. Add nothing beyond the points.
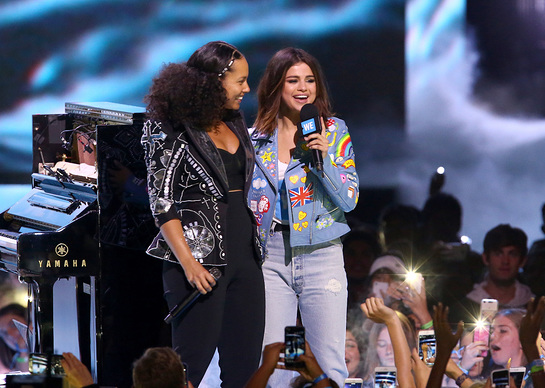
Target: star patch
(266, 157)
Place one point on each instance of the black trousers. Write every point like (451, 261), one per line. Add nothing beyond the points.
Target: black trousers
(230, 318)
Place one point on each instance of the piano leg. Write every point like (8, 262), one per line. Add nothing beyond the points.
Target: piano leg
(41, 314)
(62, 315)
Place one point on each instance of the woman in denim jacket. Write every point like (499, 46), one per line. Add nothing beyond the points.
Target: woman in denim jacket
(300, 211)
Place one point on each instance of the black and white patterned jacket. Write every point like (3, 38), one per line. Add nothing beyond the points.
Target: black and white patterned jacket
(187, 180)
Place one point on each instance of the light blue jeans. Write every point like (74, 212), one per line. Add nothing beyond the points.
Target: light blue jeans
(313, 278)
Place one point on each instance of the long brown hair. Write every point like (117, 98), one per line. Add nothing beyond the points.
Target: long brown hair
(374, 329)
(269, 91)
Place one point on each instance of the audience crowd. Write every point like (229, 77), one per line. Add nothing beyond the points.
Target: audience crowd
(412, 272)
(423, 266)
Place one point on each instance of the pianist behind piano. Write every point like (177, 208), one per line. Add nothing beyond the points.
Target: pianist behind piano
(200, 164)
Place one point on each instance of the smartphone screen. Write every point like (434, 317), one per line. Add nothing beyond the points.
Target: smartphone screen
(353, 383)
(500, 378)
(414, 280)
(426, 337)
(380, 289)
(295, 344)
(482, 334)
(518, 375)
(385, 377)
(489, 308)
(38, 362)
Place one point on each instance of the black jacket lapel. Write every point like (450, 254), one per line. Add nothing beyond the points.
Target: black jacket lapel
(207, 149)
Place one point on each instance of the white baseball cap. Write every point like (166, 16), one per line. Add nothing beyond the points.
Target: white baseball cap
(393, 263)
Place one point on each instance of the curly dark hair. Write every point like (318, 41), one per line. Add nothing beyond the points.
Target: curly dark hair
(191, 93)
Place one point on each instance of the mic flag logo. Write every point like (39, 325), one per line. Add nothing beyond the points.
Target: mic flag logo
(308, 127)
(301, 195)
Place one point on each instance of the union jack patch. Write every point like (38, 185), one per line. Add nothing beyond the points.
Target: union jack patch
(301, 195)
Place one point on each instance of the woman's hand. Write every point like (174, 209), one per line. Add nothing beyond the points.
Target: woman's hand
(417, 302)
(318, 141)
(377, 311)
(198, 276)
(472, 354)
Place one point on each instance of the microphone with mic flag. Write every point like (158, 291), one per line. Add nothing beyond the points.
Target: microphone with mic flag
(187, 302)
(311, 123)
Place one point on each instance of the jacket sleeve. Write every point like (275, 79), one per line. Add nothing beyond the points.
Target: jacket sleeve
(159, 142)
(340, 179)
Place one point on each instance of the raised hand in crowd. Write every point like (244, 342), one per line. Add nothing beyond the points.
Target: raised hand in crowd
(529, 327)
(376, 310)
(77, 373)
(413, 299)
(529, 331)
(271, 356)
(445, 342)
(310, 370)
(473, 354)
(421, 371)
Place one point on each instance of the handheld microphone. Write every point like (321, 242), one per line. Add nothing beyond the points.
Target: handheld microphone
(187, 302)
(311, 123)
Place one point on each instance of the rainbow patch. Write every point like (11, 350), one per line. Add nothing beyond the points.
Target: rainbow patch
(344, 147)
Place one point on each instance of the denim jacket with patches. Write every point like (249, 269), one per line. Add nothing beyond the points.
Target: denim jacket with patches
(316, 204)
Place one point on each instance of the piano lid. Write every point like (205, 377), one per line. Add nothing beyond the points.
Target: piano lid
(110, 111)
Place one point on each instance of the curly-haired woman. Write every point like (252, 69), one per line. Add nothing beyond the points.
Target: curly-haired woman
(200, 162)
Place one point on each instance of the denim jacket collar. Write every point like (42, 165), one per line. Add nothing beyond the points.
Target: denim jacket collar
(269, 158)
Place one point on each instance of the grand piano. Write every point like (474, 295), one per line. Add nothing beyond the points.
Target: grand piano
(78, 239)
